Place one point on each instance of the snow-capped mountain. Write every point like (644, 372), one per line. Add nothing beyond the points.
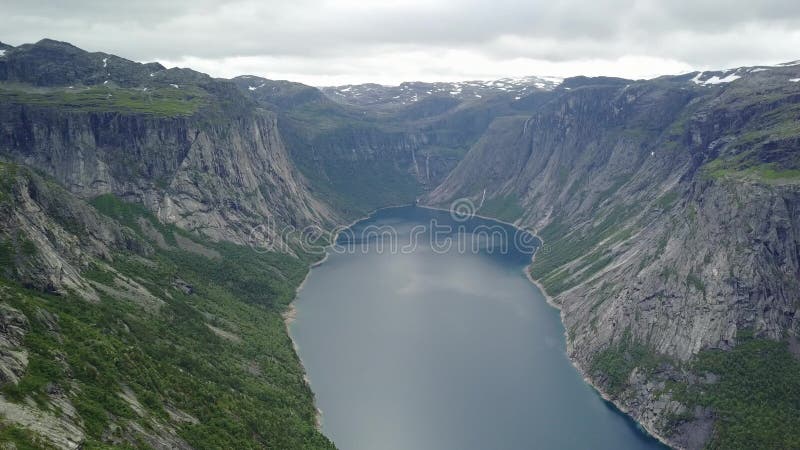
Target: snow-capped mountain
(406, 93)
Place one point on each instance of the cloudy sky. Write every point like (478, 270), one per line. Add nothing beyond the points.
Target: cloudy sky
(331, 42)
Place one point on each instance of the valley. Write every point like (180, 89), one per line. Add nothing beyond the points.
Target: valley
(140, 307)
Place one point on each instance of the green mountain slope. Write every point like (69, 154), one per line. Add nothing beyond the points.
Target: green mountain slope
(118, 330)
(669, 214)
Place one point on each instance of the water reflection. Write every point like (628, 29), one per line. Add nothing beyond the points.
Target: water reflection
(433, 349)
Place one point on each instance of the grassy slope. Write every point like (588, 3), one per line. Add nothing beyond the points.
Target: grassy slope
(246, 394)
(353, 186)
(165, 101)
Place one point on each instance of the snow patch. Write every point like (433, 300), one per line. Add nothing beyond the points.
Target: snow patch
(105, 62)
(794, 80)
(253, 88)
(696, 79)
(717, 80)
(554, 80)
(2, 52)
(175, 86)
(152, 74)
(759, 69)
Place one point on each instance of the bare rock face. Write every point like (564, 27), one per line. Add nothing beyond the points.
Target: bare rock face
(220, 181)
(61, 430)
(366, 147)
(39, 229)
(209, 161)
(669, 214)
(237, 178)
(13, 358)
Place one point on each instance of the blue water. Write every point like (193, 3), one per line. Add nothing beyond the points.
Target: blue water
(433, 347)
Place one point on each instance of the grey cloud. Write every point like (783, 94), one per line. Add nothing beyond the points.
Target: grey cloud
(693, 31)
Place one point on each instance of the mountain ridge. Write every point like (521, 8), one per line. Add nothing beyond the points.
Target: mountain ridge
(668, 208)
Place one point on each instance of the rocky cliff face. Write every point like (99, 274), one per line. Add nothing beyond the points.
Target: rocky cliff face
(668, 211)
(128, 316)
(116, 329)
(376, 147)
(50, 237)
(188, 147)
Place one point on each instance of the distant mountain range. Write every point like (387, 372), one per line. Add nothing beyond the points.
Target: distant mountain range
(405, 93)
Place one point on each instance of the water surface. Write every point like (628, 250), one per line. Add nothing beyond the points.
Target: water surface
(443, 348)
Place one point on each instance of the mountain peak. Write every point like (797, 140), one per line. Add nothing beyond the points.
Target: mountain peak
(371, 94)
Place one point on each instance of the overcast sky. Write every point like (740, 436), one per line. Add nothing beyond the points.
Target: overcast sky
(331, 42)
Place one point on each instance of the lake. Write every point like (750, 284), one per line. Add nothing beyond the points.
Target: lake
(420, 331)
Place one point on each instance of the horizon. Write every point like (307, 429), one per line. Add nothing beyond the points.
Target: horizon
(548, 77)
(341, 42)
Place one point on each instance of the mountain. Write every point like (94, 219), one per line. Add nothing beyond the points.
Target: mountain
(359, 156)
(131, 313)
(116, 329)
(189, 147)
(149, 245)
(376, 95)
(669, 214)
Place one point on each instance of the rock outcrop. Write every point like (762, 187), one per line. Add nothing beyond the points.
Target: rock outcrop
(669, 214)
(188, 147)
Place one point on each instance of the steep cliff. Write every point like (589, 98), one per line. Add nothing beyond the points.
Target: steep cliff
(118, 330)
(361, 155)
(188, 147)
(129, 316)
(668, 210)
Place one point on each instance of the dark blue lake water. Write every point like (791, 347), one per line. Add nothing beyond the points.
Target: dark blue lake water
(413, 344)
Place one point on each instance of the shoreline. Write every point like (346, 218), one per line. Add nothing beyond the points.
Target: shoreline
(526, 270)
(290, 316)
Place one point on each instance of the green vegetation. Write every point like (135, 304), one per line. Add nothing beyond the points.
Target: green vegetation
(667, 200)
(358, 188)
(166, 101)
(244, 385)
(505, 208)
(696, 282)
(129, 214)
(445, 152)
(757, 396)
(616, 363)
(21, 439)
(583, 247)
(764, 149)
(740, 168)
(8, 173)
